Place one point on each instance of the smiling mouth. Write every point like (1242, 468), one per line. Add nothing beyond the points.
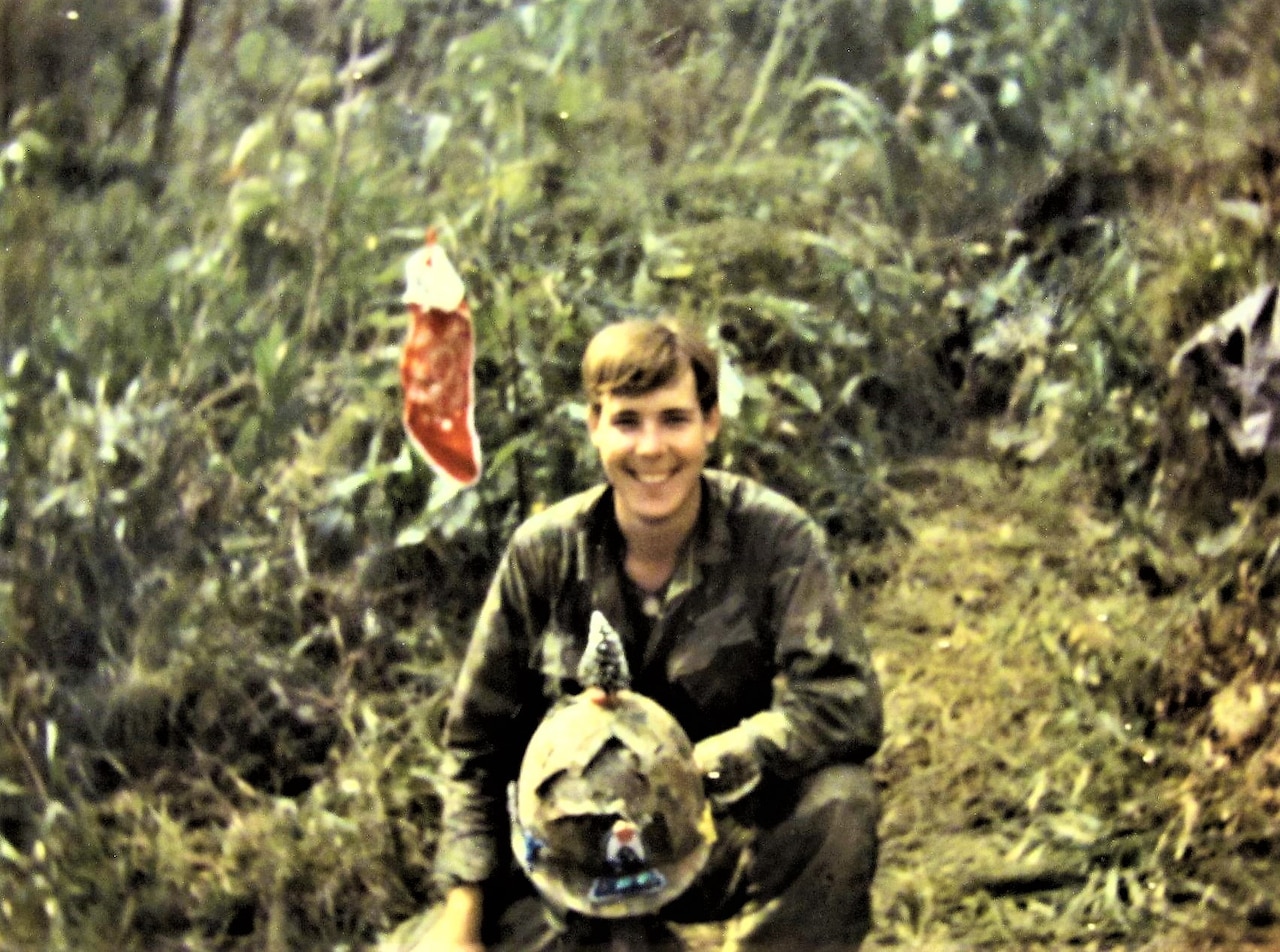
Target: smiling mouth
(651, 479)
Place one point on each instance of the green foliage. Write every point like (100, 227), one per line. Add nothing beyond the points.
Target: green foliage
(232, 598)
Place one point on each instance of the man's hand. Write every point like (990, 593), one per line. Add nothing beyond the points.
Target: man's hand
(456, 929)
(729, 765)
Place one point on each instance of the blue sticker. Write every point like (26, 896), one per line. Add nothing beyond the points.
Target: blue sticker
(609, 888)
(533, 848)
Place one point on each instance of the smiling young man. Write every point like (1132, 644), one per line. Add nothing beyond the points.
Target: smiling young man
(732, 617)
(653, 435)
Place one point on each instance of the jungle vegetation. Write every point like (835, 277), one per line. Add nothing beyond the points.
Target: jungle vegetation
(966, 237)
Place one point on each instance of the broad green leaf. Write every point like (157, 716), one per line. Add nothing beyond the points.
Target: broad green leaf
(252, 202)
(732, 388)
(435, 135)
(674, 271)
(349, 485)
(1253, 214)
(944, 10)
(266, 59)
(310, 130)
(858, 286)
(916, 62)
(383, 18)
(799, 389)
(411, 536)
(1010, 92)
(507, 450)
(252, 138)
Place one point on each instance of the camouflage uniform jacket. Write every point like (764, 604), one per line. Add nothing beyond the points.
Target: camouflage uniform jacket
(752, 632)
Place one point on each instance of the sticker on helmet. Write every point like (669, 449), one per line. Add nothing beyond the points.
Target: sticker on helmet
(623, 849)
(624, 858)
(611, 888)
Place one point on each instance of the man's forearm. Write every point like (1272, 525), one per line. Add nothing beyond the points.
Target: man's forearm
(460, 921)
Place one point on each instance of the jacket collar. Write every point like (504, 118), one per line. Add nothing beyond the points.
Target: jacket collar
(602, 547)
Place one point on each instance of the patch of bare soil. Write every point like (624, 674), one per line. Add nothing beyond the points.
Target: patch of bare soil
(1031, 799)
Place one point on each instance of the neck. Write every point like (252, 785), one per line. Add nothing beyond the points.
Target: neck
(653, 547)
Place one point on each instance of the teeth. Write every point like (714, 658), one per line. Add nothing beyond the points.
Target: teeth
(652, 480)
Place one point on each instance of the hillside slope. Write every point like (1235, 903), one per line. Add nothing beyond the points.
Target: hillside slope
(1032, 799)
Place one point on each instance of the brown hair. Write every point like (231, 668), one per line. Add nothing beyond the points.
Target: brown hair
(634, 357)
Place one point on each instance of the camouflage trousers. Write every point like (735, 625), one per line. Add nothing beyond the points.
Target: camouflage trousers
(791, 869)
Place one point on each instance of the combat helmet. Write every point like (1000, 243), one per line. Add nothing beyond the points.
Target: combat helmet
(609, 817)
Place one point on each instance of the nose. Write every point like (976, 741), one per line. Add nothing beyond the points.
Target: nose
(649, 442)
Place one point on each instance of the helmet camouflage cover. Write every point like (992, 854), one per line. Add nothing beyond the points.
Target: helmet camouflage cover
(609, 817)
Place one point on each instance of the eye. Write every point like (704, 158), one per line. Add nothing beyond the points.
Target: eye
(676, 418)
(626, 420)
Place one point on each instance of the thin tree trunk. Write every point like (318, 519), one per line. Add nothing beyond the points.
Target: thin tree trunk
(8, 10)
(183, 28)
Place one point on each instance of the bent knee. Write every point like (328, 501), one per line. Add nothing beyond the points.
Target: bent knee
(849, 788)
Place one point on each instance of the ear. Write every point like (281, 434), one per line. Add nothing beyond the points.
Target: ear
(711, 423)
(593, 423)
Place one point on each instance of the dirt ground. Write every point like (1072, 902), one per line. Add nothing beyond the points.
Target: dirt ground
(1012, 635)
(1004, 622)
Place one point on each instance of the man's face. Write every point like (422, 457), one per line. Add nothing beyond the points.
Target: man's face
(653, 448)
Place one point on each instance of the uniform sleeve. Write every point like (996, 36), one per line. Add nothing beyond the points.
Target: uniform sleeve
(486, 728)
(827, 704)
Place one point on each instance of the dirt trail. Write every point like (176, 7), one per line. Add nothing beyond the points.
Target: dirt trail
(1013, 636)
(994, 609)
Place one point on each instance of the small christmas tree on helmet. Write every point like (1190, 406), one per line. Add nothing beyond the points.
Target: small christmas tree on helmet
(604, 662)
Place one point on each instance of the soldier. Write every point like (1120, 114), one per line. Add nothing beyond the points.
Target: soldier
(732, 618)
